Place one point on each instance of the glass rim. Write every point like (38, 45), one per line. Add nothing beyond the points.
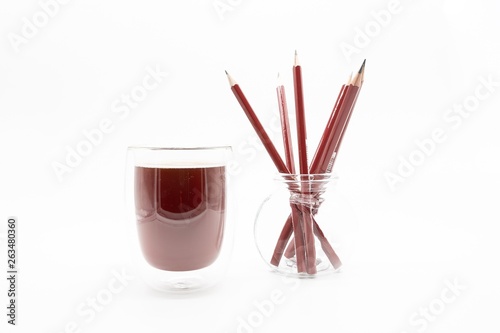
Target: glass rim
(307, 177)
(201, 148)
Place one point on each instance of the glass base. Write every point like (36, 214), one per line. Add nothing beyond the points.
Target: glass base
(288, 267)
(180, 284)
(177, 282)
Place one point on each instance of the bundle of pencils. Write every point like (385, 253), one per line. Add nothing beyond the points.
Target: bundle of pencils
(301, 222)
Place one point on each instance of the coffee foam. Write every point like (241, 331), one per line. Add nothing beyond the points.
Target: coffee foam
(180, 165)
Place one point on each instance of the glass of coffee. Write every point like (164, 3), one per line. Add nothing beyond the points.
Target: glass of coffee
(181, 211)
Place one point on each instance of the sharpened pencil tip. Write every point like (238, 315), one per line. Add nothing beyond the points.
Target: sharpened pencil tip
(362, 66)
(230, 79)
(359, 77)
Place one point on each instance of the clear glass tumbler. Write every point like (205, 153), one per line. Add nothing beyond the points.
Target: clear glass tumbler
(180, 198)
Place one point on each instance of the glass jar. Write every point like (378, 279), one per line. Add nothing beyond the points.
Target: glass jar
(295, 227)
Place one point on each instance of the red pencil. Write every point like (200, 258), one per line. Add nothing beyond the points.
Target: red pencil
(326, 138)
(345, 113)
(278, 162)
(344, 122)
(285, 127)
(259, 129)
(300, 115)
(303, 166)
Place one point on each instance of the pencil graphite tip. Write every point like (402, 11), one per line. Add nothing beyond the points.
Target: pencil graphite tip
(358, 79)
(362, 66)
(230, 79)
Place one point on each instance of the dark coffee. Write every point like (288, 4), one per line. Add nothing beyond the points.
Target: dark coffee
(180, 215)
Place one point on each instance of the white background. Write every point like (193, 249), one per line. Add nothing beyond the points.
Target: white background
(437, 224)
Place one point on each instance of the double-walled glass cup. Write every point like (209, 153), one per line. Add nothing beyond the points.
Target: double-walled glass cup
(180, 198)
